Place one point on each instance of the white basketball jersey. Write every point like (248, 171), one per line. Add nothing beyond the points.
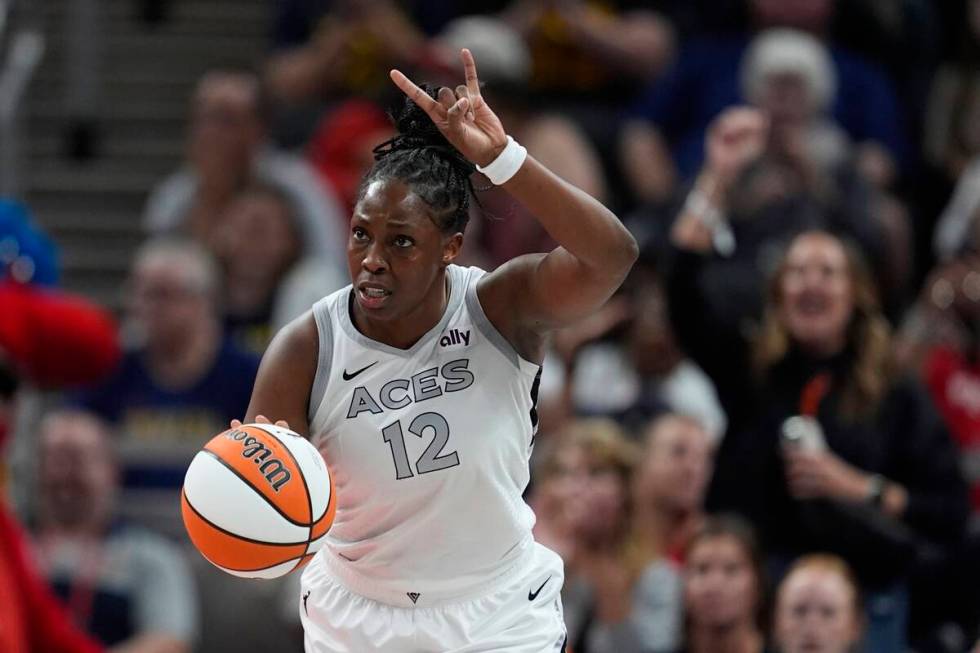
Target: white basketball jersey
(428, 448)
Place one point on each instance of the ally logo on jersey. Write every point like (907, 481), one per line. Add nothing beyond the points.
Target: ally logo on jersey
(455, 337)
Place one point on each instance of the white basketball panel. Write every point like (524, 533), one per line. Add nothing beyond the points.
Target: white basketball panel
(230, 503)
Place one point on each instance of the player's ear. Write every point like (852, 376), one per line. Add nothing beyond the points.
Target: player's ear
(451, 246)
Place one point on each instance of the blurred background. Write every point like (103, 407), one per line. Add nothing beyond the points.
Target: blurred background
(768, 440)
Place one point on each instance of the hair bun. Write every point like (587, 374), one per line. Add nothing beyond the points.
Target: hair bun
(413, 122)
(417, 132)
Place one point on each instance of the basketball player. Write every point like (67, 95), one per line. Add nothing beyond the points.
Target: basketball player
(418, 381)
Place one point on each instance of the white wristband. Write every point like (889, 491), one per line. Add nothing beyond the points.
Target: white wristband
(508, 162)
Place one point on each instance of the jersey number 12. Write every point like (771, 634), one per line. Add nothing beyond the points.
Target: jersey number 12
(432, 459)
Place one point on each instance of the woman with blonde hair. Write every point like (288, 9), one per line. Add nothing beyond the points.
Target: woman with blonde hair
(614, 601)
(829, 449)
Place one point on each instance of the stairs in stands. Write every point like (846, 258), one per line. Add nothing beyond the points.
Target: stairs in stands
(92, 208)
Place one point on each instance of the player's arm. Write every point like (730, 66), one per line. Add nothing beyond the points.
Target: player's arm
(285, 378)
(540, 292)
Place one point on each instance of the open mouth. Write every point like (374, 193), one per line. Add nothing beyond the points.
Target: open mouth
(372, 297)
(812, 305)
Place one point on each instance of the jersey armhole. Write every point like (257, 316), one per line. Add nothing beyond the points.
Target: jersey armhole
(321, 315)
(491, 333)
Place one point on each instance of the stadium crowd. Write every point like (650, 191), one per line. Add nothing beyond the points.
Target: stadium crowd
(768, 440)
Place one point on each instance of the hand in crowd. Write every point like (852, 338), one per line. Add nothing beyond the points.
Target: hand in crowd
(823, 475)
(735, 138)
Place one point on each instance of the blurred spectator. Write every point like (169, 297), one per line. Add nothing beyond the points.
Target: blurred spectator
(599, 464)
(54, 339)
(504, 67)
(877, 477)
(585, 496)
(342, 148)
(958, 230)
(646, 374)
(558, 468)
(265, 288)
(951, 139)
(724, 589)
(941, 340)
(592, 50)
(789, 75)
(329, 51)
(296, 20)
(818, 607)
(180, 385)
(46, 339)
(128, 587)
(805, 172)
(27, 254)
(226, 151)
(622, 593)
(758, 189)
(670, 484)
(677, 109)
(344, 47)
(668, 508)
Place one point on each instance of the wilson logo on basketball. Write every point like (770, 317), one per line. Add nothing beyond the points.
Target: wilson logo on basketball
(271, 468)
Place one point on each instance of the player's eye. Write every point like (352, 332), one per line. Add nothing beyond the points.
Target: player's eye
(359, 234)
(403, 241)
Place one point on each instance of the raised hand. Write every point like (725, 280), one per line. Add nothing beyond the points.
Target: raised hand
(735, 138)
(461, 115)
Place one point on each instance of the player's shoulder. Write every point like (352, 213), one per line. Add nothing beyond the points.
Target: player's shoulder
(299, 336)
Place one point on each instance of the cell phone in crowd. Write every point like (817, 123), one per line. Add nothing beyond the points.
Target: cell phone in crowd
(803, 432)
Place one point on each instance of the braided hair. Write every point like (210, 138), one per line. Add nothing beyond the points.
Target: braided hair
(421, 157)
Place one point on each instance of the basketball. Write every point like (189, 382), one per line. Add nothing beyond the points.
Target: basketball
(257, 501)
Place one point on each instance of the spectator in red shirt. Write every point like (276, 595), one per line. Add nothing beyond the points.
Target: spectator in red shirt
(50, 340)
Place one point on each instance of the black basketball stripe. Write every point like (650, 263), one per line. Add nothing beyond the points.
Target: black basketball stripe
(306, 486)
(229, 533)
(534, 398)
(257, 490)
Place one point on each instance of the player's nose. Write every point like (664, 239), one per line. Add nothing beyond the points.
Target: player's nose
(374, 259)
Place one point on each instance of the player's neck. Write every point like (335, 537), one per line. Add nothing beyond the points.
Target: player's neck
(404, 331)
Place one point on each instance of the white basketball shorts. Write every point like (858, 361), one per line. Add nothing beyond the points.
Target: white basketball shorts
(522, 614)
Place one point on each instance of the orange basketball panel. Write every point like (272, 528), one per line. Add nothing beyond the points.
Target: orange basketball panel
(232, 552)
(268, 466)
